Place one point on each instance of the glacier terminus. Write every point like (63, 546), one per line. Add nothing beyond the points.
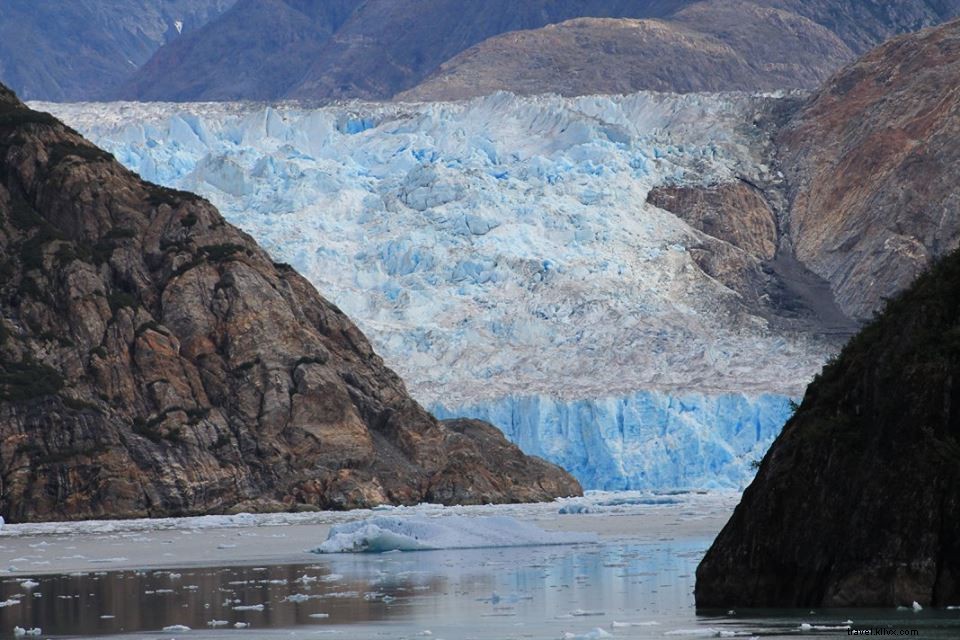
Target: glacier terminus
(502, 256)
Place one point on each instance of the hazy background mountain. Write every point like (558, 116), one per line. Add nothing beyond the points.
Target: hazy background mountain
(377, 49)
(384, 47)
(84, 49)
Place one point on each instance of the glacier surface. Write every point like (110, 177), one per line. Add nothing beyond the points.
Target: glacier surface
(501, 256)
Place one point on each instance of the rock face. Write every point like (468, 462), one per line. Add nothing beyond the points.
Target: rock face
(856, 503)
(715, 46)
(84, 49)
(154, 361)
(871, 161)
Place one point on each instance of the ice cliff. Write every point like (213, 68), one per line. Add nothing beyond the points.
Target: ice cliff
(501, 256)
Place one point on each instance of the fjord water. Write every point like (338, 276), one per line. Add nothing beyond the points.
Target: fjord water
(637, 582)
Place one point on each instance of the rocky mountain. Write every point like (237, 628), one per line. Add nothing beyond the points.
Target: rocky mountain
(155, 361)
(84, 49)
(856, 502)
(712, 46)
(343, 48)
(255, 51)
(871, 162)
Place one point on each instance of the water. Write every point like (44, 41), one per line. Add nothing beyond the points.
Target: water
(629, 590)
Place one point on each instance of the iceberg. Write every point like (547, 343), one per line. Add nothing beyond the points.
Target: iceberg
(380, 534)
(501, 256)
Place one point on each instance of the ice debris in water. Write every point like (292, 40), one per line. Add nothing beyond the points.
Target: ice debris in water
(593, 634)
(20, 631)
(389, 533)
(177, 627)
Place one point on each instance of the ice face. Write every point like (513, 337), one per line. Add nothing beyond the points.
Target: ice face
(502, 249)
(647, 440)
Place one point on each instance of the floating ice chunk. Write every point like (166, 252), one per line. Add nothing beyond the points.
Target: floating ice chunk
(10, 602)
(701, 632)
(581, 613)
(305, 579)
(916, 606)
(624, 625)
(177, 627)
(29, 584)
(319, 615)
(298, 597)
(20, 631)
(416, 533)
(217, 623)
(241, 625)
(593, 634)
(107, 616)
(806, 626)
(248, 607)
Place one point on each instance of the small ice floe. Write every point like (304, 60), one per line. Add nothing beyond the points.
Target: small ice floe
(226, 546)
(305, 579)
(9, 602)
(953, 606)
(624, 625)
(576, 507)
(593, 634)
(177, 627)
(416, 533)
(241, 625)
(426, 632)
(20, 631)
(248, 607)
(704, 632)
(107, 616)
(916, 606)
(580, 613)
(332, 577)
(217, 623)
(28, 583)
(298, 597)
(319, 615)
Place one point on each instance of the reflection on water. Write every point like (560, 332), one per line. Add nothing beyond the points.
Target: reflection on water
(626, 590)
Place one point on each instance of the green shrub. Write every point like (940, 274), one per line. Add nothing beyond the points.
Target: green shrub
(189, 220)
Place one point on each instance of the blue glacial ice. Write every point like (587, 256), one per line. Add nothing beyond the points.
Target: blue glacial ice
(647, 440)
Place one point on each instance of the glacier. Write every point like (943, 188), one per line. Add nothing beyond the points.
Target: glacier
(502, 258)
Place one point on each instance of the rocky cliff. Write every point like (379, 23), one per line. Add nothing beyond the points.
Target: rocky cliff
(154, 361)
(856, 502)
(871, 162)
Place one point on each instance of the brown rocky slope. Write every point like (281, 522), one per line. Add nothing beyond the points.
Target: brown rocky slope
(871, 162)
(154, 361)
(727, 45)
(856, 503)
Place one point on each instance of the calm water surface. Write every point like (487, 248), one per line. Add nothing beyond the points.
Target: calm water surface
(584, 591)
